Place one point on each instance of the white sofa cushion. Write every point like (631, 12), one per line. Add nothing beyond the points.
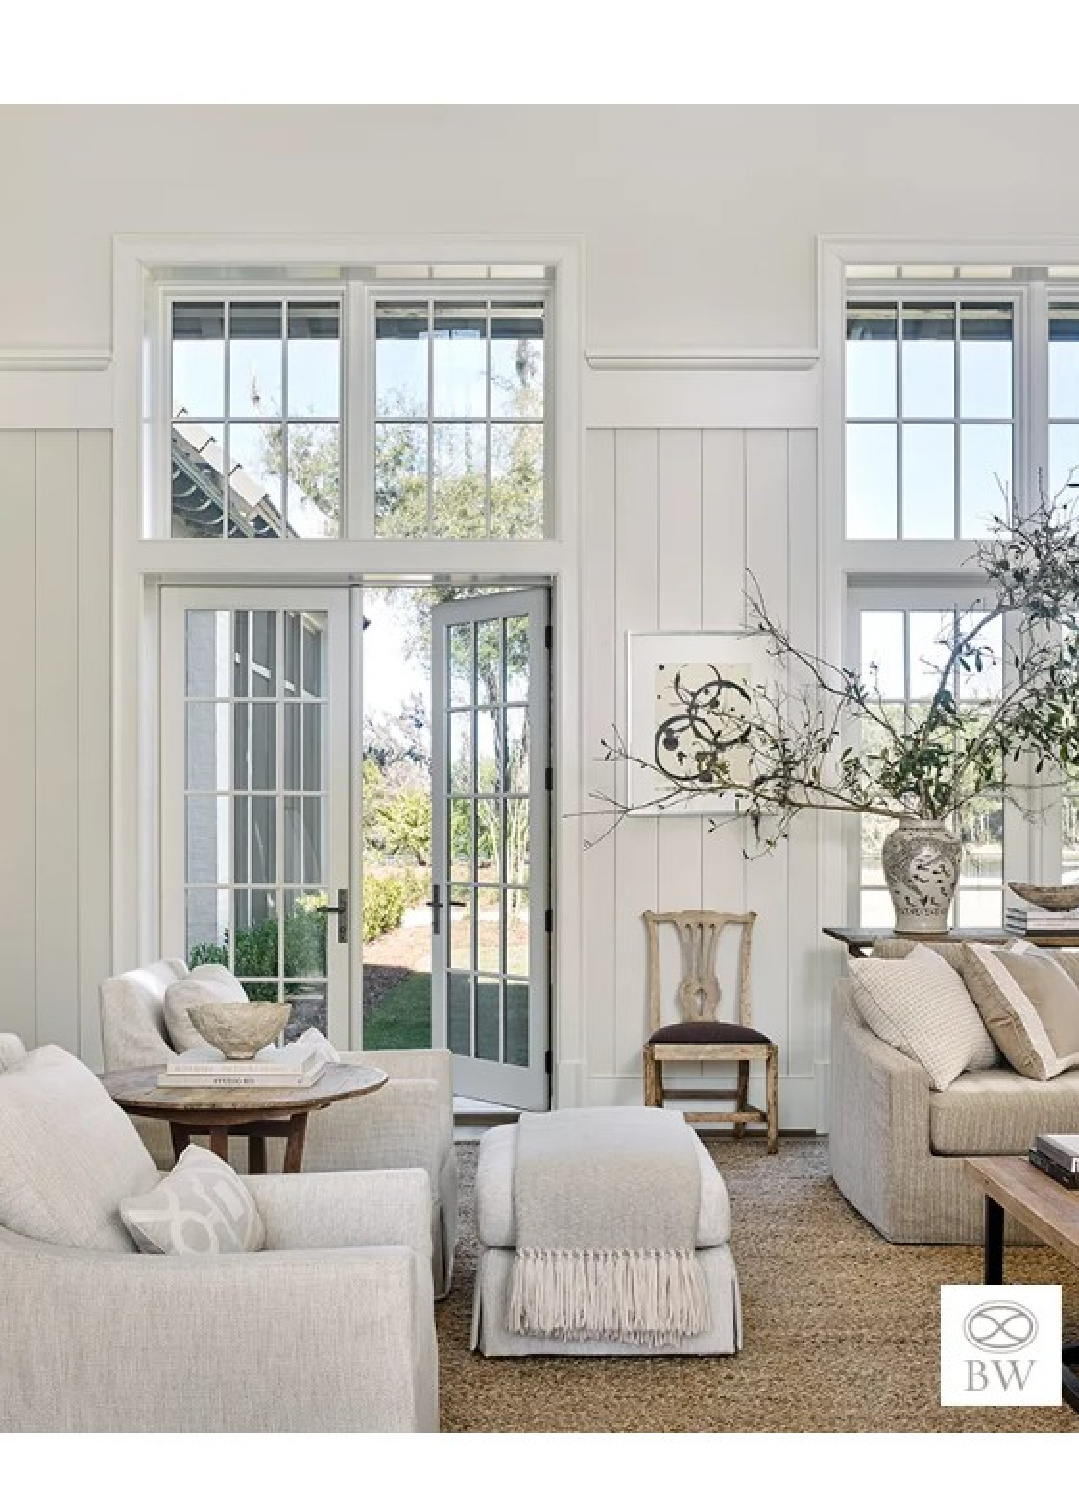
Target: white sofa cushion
(69, 1154)
(201, 1208)
(495, 1220)
(920, 1006)
(998, 1113)
(205, 985)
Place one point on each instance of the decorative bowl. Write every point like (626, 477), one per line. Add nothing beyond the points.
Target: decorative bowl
(240, 1030)
(1048, 897)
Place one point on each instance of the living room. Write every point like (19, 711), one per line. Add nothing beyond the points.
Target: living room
(593, 895)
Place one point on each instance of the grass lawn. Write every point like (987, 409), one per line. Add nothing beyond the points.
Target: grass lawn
(403, 1019)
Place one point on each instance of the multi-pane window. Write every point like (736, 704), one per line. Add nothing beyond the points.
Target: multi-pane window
(903, 654)
(929, 416)
(1063, 395)
(255, 411)
(441, 429)
(256, 799)
(459, 418)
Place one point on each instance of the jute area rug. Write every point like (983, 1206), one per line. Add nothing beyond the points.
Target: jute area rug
(841, 1328)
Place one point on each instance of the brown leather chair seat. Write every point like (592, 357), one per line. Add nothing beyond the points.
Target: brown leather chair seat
(708, 1033)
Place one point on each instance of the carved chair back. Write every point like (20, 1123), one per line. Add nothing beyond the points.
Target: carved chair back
(699, 933)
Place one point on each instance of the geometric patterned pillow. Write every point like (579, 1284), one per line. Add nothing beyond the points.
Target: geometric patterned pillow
(920, 1006)
(200, 1208)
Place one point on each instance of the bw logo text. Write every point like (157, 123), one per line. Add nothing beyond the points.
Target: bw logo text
(998, 1374)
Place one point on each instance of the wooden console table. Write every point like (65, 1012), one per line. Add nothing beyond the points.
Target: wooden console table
(859, 940)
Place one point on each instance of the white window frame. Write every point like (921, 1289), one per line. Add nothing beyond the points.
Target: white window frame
(141, 564)
(357, 295)
(911, 563)
(954, 293)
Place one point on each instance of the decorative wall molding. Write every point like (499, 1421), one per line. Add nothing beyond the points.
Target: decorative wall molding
(55, 359)
(702, 359)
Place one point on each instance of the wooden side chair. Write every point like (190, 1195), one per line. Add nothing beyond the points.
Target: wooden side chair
(700, 1036)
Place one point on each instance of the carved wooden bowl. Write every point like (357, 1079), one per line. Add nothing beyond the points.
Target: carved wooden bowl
(239, 1031)
(1048, 897)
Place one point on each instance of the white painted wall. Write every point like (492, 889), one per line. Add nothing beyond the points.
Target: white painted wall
(700, 221)
(699, 228)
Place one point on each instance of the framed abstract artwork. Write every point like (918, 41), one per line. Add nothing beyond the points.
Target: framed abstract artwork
(687, 691)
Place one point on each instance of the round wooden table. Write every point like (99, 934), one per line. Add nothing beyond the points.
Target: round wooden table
(254, 1113)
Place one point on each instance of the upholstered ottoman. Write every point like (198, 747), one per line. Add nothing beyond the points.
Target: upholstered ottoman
(496, 1231)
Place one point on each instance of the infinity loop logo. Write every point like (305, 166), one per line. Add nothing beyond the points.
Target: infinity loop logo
(1000, 1327)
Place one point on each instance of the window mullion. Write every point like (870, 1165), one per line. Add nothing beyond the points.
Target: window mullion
(358, 411)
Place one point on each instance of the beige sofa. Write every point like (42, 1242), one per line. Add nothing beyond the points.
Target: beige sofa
(409, 1123)
(897, 1147)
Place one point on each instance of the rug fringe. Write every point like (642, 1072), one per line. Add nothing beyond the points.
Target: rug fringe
(636, 1296)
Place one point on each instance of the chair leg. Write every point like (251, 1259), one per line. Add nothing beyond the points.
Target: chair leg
(772, 1070)
(652, 1085)
(742, 1100)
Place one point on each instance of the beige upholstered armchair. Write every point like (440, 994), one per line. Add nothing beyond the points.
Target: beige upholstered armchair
(409, 1123)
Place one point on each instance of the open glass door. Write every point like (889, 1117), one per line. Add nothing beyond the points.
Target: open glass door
(490, 839)
(255, 793)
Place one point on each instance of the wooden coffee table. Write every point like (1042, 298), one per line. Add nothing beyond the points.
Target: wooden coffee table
(1011, 1185)
(254, 1113)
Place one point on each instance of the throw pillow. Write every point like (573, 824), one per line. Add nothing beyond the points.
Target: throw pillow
(951, 953)
(920, 1006)
(201, 1208)
(1011, 1016)
(69, 1154)
(12, 1052)
(208, 983)
(1051, 991)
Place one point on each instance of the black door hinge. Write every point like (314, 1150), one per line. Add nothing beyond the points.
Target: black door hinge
(548, 779)
(547, 1063)
(548, 636)
(548, 920)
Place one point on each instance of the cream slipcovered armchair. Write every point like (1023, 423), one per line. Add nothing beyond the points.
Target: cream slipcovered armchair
(329, 1328)
(409, 1123)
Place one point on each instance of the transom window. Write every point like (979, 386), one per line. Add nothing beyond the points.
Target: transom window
(929, 417)
(459, 418)
(256, 418)
(412, 410)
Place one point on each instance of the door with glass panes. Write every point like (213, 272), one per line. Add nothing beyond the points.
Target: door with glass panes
(490, 914)
(255, 800)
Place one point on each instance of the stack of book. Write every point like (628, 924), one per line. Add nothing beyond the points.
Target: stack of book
(1028, 920)
(1058, 1157)
(291, 1067)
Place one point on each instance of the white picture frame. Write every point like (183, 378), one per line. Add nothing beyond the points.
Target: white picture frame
(654, 659)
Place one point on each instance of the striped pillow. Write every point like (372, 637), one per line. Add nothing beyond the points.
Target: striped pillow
(1011, 1016)
(920, 1006)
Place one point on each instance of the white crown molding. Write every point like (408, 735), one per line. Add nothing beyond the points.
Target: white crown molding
(702, 359)
(55, 359)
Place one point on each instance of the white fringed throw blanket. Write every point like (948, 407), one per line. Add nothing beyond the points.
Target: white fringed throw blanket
(607, 1203)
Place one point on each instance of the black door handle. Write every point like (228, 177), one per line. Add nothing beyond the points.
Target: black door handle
(341, 910)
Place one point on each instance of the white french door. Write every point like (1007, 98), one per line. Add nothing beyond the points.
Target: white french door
(256, 864)
(490, 845)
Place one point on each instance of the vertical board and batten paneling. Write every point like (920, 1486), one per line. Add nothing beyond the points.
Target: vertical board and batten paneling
(636, 590)
(95, 680)
(674, 519)
(598, 675)
(54, 861)
(18, 845)
(57, 738)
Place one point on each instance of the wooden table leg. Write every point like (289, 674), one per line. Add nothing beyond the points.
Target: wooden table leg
(256, 1154)
(219, 1141)
(181, 1138)
(297, 1131)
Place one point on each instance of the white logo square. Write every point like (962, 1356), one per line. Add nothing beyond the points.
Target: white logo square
(1000, 1345)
